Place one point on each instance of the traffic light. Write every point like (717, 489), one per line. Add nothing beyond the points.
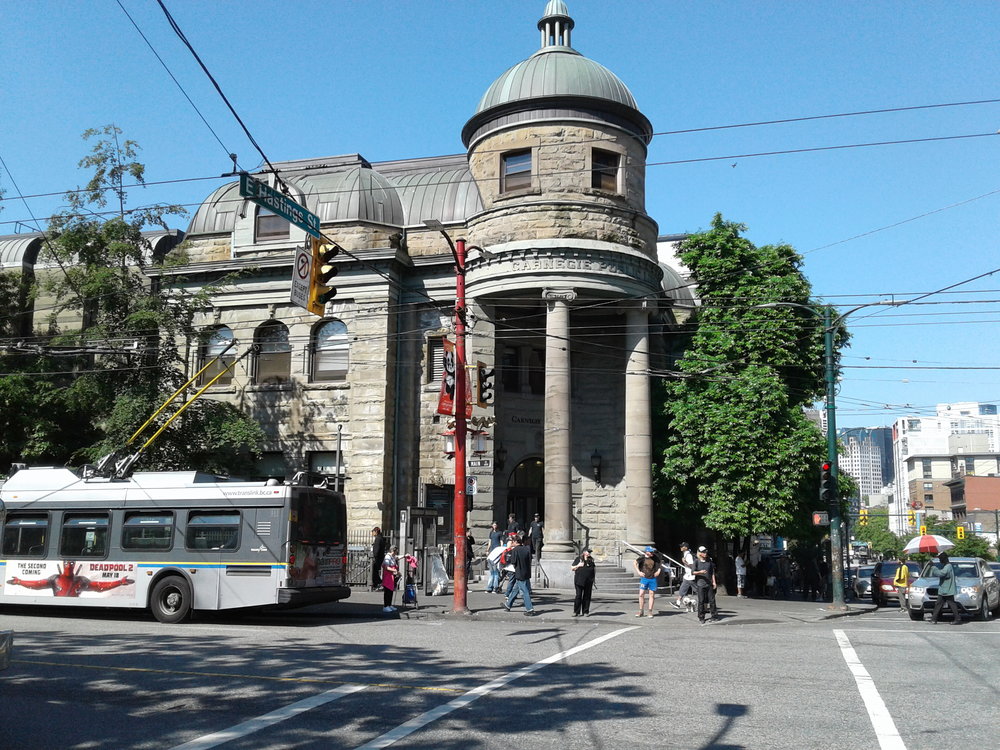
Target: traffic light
(484, 384)
(960, 532)
(323, 270)
(911, 518)
(923, 529)
(863, 520)
(827, 483)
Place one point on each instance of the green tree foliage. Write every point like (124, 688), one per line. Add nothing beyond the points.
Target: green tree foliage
(738, 448)
(971, 546)
(876, 532)
(109, 355)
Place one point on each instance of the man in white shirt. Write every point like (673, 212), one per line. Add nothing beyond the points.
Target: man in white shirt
(741, 575)
(687, 581)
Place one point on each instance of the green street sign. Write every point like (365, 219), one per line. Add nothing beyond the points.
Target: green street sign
(267, 197)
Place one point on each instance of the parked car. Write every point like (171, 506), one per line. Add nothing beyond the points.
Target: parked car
(862, 583)
(977, 584)
(883, 574)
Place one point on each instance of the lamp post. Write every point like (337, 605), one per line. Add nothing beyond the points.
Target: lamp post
(460, 605)
(836, 539)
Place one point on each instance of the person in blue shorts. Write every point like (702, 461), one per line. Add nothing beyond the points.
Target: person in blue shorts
(648, 567)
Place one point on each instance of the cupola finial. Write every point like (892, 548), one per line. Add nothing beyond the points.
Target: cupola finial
(556, 25)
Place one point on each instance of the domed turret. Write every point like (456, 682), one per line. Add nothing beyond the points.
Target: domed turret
(556, 79)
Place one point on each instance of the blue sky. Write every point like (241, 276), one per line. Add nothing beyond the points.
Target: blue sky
(399, 79)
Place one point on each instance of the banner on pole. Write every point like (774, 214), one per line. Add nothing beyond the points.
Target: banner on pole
(446, 401)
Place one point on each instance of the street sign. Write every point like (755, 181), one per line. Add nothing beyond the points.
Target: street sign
(266, 196)
(302, 276)
(482, 463)
(471, 485)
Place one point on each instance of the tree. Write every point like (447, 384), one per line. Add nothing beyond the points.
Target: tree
(110, 348)
(738, 446)
(876, 532)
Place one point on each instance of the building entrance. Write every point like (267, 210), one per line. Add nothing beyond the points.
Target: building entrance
(526, 491)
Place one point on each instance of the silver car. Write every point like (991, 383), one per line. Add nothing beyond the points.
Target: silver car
(978, 589)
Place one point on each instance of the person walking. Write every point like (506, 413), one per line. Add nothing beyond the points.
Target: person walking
(648, 567)
(378, 555)
(513, 525)
(584, 574)
(520, 557)
(946, 589)
(704, 576)
(902, 583)
(390, 578)
(493, 563)
(741, 575)
(536, 534)
(497, 537)
(687, 580)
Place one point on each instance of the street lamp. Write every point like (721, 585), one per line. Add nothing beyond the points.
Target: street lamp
(460, 604)
(829, 326)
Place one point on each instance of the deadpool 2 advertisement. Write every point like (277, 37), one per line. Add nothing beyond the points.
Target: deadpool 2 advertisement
(77, 580)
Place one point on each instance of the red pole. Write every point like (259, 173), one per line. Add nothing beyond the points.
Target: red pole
(461, 588)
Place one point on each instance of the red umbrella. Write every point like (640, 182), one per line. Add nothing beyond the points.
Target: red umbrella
(931, 543)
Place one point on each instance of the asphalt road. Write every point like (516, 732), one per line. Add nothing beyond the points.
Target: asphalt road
(769, 675)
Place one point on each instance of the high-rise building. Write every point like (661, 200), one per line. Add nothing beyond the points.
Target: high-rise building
(867, 456)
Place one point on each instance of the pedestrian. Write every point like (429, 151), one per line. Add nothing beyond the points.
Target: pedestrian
(390, 578)
(493, 563)
(687, 580)
(584, 574)
(902, 583)
(648, 566)
(507, 566)
(470, 551)
(536, 533)
(378, 555)
(513, 525)
(946, 589)
(704, 577)
(741, 575)
(496, 537)
(520, 557)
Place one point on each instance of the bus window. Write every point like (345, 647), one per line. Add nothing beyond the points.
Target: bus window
(213, 530)
(84, 535)
(152, 531)
(24, 536)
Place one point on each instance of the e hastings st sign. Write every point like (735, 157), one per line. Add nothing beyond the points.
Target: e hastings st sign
(267, 197)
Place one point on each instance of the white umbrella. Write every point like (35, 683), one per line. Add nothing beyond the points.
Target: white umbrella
(931, 543)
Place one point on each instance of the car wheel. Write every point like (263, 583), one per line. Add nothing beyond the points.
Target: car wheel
(984, 610)
(171, 599)
(916, 614)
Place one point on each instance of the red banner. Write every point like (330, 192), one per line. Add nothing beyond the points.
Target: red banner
(446, 401)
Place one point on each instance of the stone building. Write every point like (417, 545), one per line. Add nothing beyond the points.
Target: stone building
(568, 302)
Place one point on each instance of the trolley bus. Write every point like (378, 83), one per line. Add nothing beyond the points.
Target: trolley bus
(172, 542)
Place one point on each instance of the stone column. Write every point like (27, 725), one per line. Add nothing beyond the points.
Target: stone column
(558, 464)
(638, 429)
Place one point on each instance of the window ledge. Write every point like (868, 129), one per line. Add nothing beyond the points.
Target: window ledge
(515, 194)
(285, 385)
(328, 385)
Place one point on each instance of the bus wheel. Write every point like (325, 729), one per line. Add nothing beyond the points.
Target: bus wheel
(171, 599)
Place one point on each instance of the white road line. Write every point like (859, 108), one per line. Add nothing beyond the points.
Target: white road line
(262, 722)
(881, 719)
(418, 722)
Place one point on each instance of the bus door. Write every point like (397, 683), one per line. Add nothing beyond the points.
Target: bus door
(212, 538)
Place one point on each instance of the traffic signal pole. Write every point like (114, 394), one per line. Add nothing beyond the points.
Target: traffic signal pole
(460, 604)
(836, 536)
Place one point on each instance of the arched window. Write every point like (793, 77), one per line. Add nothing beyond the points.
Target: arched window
(330, 351)
(273, 363)
(214, 342)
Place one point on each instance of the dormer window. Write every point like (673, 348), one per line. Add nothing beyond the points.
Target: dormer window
(516, 174)
(604, 170)
(270, 226)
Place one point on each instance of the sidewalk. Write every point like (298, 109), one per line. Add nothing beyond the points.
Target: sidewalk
(557, 605)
